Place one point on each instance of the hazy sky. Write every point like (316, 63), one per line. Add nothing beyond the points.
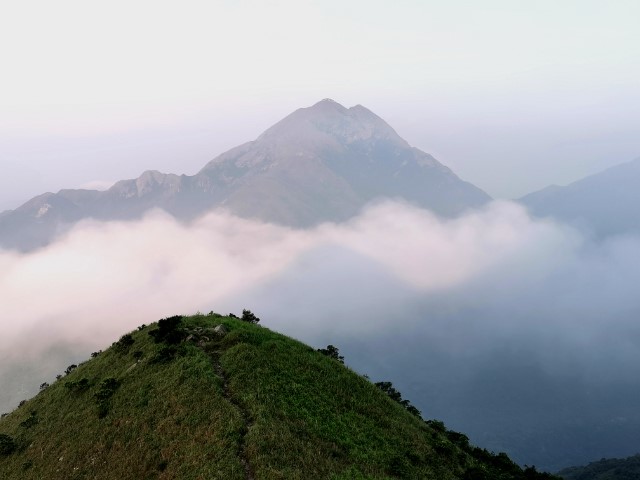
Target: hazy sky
(513, 95)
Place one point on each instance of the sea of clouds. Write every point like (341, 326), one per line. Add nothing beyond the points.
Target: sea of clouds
(477, 318)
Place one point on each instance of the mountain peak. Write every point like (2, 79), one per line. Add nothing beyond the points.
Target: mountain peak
(328, 101)
(325, 106)
(327, 122)
(320, 163)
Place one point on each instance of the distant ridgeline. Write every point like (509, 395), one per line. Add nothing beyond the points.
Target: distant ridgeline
(605, 469)
(211, 396)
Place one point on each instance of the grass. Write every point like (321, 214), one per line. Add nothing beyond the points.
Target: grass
(249, 403)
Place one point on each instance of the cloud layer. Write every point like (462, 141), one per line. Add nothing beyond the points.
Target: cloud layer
(463, 314)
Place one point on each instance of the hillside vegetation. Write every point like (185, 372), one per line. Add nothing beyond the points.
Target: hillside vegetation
(212, 397)
(606, 469)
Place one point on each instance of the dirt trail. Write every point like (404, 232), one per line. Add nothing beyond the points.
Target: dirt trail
(247, 422)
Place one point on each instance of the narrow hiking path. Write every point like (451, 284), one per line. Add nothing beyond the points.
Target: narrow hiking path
(247, 421)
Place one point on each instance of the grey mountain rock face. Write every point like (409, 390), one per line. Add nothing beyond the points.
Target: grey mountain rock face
(604, 204)
(322, 163)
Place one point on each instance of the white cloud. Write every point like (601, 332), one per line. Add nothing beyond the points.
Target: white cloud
(461, 286)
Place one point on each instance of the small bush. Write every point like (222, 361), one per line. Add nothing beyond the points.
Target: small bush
(70, 369)
(332, 352)
(168, 331)
(249, 317)
(459, 439)
(388, 388)
(437, 425)
(105, 391)
(7, 444)
(44, 386)
(30, 421)
(77, 385)
(166, 354)
(107, 388)
(122, 346)
(95, 354)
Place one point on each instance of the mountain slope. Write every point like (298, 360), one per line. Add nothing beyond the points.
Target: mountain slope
(189, 399)
(321, 163)
(336, 159)
(606, 203)
(605, 469)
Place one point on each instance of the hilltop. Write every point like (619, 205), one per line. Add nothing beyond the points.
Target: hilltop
(209, 396)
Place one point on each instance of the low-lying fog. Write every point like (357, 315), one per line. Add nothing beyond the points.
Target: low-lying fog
(522, 333)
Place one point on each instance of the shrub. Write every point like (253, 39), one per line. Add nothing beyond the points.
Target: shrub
(248, 316)
(166, 354)
(332, 352)
(106, 390)
(95, 354)
(7, 444)
(168, 330)
(437, 425)
(123, 345)
(30, 421)
(388, 388)
(44, 386)
(77, 385)
(70, 369)
(459, 439)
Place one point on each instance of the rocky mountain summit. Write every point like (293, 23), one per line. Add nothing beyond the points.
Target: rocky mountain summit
(321, 163)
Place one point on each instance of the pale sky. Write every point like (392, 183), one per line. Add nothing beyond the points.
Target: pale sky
(512, 95)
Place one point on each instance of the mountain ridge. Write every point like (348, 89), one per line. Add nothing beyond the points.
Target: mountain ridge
(605, 469)
(602, 204)
(319, 163)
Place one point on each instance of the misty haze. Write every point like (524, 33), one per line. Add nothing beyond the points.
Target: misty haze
(466, 227)
(520, 331)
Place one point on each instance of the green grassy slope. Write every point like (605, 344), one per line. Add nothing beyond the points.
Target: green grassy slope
(185, 402)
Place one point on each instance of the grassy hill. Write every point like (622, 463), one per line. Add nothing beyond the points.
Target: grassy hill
(606, 469)
(212, 397)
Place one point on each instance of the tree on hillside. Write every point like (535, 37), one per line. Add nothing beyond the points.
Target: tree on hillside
(248, 316)
(332, 352)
